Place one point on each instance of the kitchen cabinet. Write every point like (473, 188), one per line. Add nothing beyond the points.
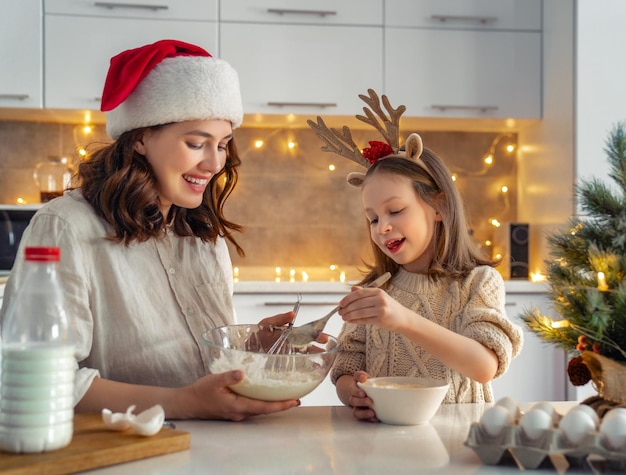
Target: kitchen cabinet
(303, 57)
(253, 307)
(538, 373)
(21, 82)
(459, 60)
(82, 36)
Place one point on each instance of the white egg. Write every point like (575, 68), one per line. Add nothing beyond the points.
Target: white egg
(616, 411)
(548, 409)
(510, 404)
(613, 429)
(588, 410)
(535, 422)
(495, 419)
(575, 425)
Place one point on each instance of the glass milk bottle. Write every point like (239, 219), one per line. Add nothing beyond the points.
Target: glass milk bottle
(38, 363)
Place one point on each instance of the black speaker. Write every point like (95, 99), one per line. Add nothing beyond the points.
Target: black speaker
(511, 242)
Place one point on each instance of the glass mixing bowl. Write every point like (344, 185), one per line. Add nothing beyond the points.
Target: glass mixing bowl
(290, 374)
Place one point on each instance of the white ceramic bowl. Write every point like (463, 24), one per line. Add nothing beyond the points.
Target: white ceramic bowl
(275, 377)
(405, 400)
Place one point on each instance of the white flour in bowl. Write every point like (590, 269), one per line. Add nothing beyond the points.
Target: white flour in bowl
(298, 378)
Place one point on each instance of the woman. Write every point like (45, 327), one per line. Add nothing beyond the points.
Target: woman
(144, 262)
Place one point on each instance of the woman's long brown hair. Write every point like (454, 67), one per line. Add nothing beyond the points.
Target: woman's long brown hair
(120, 185)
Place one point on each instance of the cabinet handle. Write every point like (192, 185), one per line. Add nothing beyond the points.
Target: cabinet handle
(444, 107)
(112, 5)
(282, 11)
(302, 104)
(462, 18)
(302, 304)
(19, 97)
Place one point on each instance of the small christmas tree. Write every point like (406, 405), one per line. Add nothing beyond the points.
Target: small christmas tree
(586, 274)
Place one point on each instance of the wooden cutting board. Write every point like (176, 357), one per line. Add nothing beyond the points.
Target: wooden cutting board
(94, 446)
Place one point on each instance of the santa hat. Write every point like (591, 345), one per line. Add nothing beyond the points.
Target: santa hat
(169, 81)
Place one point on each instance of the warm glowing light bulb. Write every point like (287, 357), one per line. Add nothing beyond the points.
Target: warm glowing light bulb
(305, 276)
(489, 159)
(278, 270)
(498, 256)
(291, 145)
(602, 285)
(510, 148)
(537, 277)
(20, 201)
(331, 167)
(454, 177)
(504, 188)
(87, 129)
(236, 271)
(258, 143)
(332, 267)
(487, 242)
(82, 152)
(342, 277)
(494, 222)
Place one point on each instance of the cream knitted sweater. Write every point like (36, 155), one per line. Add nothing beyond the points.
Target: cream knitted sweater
(473, 307)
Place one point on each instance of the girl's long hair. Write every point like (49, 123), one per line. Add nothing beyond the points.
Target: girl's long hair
(120, 185)
(455, 252)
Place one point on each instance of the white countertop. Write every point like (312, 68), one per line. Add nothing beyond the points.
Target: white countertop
(326, 440)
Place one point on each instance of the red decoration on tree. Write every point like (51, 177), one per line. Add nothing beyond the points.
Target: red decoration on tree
(377, 150)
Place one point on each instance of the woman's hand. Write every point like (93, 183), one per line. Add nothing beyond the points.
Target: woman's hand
(355, 397)
(211, 398)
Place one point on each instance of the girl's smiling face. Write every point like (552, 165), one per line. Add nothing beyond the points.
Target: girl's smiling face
(184, 156)
(402, 225)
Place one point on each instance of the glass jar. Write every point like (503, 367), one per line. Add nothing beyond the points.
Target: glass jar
(52, 176)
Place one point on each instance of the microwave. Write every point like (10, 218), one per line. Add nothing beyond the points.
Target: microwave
(13, 222)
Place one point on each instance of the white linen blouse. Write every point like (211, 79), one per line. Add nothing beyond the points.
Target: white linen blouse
(138, 311)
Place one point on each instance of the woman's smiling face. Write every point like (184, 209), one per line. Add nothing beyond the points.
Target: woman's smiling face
(402, 225)
(184, 156)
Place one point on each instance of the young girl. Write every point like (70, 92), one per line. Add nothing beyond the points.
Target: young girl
(144, 262)
(442, 315)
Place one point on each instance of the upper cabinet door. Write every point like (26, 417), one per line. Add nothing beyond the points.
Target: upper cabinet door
(475, 14)
(79, 48)
(303, 69)
(21, 83)
(464, 74)
(313, 12)
(145, 9)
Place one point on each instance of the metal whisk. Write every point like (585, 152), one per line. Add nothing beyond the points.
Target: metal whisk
(280, 342)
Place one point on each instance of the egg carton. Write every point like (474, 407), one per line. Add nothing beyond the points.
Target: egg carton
(513, 443)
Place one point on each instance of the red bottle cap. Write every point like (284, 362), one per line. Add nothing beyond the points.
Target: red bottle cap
(43, 254)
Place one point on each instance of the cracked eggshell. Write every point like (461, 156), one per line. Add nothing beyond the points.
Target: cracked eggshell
(535, 422)
(495, 419)
(118, 420)
(149, 422)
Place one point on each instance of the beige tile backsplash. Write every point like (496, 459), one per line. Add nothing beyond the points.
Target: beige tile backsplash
(296, 212)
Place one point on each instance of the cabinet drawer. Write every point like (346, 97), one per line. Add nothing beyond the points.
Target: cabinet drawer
(477, 14)
(318, 12)
(156, 9)
(21, 84)
(306, 69)
(485, 74)
(75, 74)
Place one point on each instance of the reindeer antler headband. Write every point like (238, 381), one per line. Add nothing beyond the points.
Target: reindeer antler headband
(341, 143)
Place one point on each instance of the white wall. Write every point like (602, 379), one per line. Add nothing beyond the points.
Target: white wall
(600, 80)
